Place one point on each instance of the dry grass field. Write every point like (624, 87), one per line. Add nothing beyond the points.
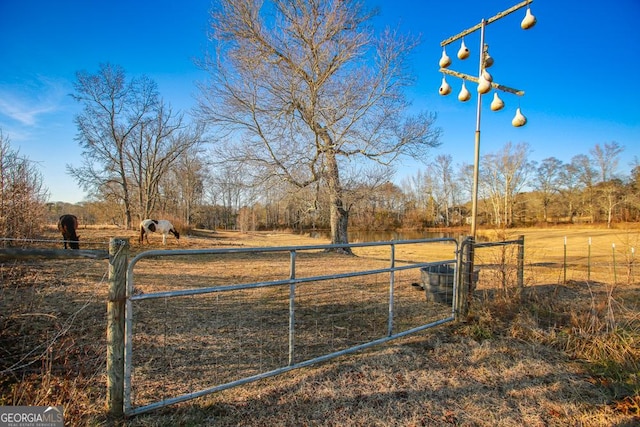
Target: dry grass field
(563, 351)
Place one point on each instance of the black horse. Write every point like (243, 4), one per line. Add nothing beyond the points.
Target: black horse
(67, 224)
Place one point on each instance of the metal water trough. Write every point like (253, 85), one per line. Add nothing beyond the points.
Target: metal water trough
(437, 282)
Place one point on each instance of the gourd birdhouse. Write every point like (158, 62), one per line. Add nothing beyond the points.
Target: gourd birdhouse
(484, 85)
(519, 119)
(464, 94)
(445, 61)
(445, 89)
(497, 104)
(463, 52)
(488, 60)
(529, 20)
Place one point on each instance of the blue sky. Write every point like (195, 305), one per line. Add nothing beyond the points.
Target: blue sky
(578, 67)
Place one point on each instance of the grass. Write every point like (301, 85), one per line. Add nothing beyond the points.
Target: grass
(556, 354)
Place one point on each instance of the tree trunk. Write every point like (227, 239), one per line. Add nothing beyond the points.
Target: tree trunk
(126, 198)
(127, 212)
(339, 215)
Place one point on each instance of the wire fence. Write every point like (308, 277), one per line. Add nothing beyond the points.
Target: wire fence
(53, 317)
(560, 261)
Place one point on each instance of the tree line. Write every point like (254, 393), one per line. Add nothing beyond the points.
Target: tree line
(513, 191)
(299, 126)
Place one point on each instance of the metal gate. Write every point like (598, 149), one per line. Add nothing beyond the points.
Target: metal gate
(219, 328)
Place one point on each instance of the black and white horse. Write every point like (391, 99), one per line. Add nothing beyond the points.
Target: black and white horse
(157, 226)
(68, 224)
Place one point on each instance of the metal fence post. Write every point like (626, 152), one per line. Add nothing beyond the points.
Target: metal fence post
(118, 258)
(465, 279)
(521, 264)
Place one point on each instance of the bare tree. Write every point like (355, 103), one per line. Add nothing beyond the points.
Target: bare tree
(582, 167)
(547, 182)
(570, 188)
(155, 148)
(22, 194)
(606, 158)
(464, 178)
(187, 178)
(299, 87)
(504, 174)
(229, 188)
(113, 110)
(610, 194)
(417, 191)
(129, 138)
(377, 205)
(633, 189)
(442, 170)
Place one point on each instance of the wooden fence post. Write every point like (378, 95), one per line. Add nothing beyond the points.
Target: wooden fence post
(118, 260)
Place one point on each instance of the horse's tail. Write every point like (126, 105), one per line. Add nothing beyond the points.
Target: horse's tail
(74, 227)
(141, 233)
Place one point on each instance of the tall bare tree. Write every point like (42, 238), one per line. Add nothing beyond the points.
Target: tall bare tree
(418, 189)
(504, 174)
(229, 188)
(128, 136)
(606, 158)
(610, 195)
(113, 109)
(570, 188)
(442, 169)
(298, 87)
(586, 174)
(154, 149)
(547, 182)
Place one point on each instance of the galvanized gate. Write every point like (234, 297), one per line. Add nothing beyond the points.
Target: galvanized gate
(206, 333)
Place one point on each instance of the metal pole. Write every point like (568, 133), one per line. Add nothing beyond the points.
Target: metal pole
(391, 290)
(481, 26)
(292, 306)
(521, 264)
(476, 163)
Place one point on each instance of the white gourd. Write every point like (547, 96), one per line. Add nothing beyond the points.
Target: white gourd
(497, 104)
(463, 52)
(529, 20)
(464, 94)
(519, 119)
(445, 89)
(445, 61)
(484, 86)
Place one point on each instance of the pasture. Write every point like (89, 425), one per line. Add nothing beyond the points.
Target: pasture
(559, 354)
